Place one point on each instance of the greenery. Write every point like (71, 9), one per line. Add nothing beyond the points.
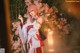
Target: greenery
(17, 7)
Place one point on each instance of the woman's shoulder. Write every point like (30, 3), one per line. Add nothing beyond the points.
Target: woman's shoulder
(40, 20)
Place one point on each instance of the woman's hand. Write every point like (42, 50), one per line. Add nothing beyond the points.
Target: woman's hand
(20, 18)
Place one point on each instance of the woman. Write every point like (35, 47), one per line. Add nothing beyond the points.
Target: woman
(34, 41)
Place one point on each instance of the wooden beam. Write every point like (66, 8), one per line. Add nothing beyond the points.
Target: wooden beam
(7, 16)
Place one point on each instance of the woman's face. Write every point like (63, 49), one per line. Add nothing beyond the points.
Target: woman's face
(33, 14)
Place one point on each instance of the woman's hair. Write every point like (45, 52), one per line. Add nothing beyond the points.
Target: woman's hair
(33, 8)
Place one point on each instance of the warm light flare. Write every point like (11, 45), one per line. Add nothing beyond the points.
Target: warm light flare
(51, 50)
(50, 40)
(50, 37)
(50, 32)
(72, 7)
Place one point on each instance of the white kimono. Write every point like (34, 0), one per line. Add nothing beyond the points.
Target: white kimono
(32, 35)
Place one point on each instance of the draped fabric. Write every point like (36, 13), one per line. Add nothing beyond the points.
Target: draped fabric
(34, 40)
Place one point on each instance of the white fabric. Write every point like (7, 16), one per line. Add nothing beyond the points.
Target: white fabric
(24, 32)
(24, 29)
(31, 51)
(32, 34)
(21, 37)
(36, 25)
(20, 32)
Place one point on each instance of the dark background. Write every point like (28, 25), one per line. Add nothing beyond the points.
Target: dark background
(3, 33)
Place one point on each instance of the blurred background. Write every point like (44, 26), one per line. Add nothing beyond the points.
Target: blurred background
(56, 42)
